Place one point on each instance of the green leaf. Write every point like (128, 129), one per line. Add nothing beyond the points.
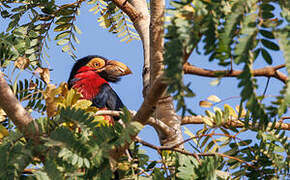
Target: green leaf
(267, 7)
(86, 162)
(74, 159)
(267, 34)
(62, 35)
(30, 51)
(62, 27)
(267, 15)
(64, 20)
(270, 45)
(266, 56)
(51, 169)
(5, 14)
(40, 175)
(66, 11)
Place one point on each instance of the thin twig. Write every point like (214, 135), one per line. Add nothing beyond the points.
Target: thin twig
(156, 123)
(267, 85)
(159, 148)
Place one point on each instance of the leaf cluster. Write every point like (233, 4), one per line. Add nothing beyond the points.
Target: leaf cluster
(114, 19)
(74, 143)
(230, 32)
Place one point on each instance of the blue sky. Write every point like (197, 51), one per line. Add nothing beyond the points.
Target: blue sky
(95, 40)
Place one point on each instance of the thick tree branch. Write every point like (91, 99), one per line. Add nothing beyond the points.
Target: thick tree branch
(12, 107)
(142, 27)
(138, 12)
(165, 110)
(271, 71)
(157, 8)
(149, 103)
(231, 123)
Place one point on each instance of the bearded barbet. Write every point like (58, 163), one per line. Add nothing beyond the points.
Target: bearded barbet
(91, 76)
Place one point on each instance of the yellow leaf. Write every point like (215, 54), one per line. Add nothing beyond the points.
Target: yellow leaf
(208, 121)
(22, 63)
(184, 15)
(101, 120)
(243, 113)
(92, 109)
(72, 97)
(205, 104)
(188, 8)
(124, 166)
(3, 131)
(190, 134)
(49, 97)
(232, 112)
(44, 74)
(82, 104)
(214, 149)
(214, 98)
(217, 109)
(209, 114)
(63, 87)
(167, 18)
(2, 115)
(129, 40)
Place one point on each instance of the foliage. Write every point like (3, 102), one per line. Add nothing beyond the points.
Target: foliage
(115, 20)
(230, 32)
(269, 153)
(77, 144)
(74, 142)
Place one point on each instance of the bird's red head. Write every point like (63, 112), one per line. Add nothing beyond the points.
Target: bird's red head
(90, 73)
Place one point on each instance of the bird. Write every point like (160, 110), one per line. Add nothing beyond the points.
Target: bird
(91, 76)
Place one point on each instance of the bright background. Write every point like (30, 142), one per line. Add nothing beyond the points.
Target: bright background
(95, 40)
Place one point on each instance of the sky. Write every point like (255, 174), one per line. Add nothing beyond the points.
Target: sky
(95, 40)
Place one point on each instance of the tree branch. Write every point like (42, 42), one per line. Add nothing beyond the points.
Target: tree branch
(150, 101)
(196, 155)
(142, 27)
(156, 123)
(138, 12)
(14, 110)
(271, 71)
(231, 123)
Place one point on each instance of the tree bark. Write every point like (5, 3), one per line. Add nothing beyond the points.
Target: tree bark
(14, 110)
(153, 86)
(165, 111)
(269, 71)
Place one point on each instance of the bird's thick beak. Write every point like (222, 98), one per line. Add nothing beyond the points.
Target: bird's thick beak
(117, 68)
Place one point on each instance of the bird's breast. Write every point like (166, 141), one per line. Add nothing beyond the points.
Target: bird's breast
(88, 84)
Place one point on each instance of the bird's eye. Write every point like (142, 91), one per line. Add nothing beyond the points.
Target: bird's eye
(97, 64)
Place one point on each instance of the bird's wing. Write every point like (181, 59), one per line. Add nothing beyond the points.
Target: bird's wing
(108, 98)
